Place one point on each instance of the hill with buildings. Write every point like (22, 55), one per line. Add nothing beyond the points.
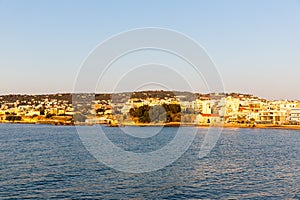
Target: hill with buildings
(148, 107)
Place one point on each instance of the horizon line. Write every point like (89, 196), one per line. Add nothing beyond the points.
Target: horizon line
(123, 92)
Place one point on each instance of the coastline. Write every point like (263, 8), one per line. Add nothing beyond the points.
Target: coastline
(229, 126)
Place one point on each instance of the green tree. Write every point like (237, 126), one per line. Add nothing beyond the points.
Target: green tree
(157, 113)
(42, 112)
(78, 117)
(13, 118)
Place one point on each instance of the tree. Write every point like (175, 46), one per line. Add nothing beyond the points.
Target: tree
(49, 115)
(78, 117)
(157, 113)
(165, 113)
(13, 118)
(42, 112)
(241, 119)
(252, 120)
(100, 111)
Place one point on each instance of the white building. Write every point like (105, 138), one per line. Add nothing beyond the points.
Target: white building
(295, 115)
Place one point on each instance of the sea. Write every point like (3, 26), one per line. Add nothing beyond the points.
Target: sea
(52, 162)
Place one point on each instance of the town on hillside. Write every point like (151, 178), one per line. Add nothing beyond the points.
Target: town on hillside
(148, 107)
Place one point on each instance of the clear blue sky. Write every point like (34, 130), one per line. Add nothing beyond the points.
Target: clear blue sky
(255, 44)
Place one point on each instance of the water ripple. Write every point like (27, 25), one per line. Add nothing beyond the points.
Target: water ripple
(42, 162)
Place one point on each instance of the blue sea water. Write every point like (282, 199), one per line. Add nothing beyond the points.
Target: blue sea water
(44, 162)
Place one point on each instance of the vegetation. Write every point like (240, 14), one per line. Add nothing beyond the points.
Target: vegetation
(100, 110)
(13, 118)
(42, 112)
(49, 115)
(78, 117)
(164, 113)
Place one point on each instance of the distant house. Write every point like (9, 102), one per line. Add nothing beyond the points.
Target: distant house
(272, 117)
(206, 107)
(61, 112)
(69, 113)
(33, 113)
(295, 115)
(208, 119)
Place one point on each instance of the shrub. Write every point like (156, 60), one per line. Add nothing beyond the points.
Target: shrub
(13, 118)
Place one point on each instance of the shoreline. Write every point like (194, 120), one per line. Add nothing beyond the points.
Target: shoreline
(235, 126)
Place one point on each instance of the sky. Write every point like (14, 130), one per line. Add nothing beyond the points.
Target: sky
(254, 44)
